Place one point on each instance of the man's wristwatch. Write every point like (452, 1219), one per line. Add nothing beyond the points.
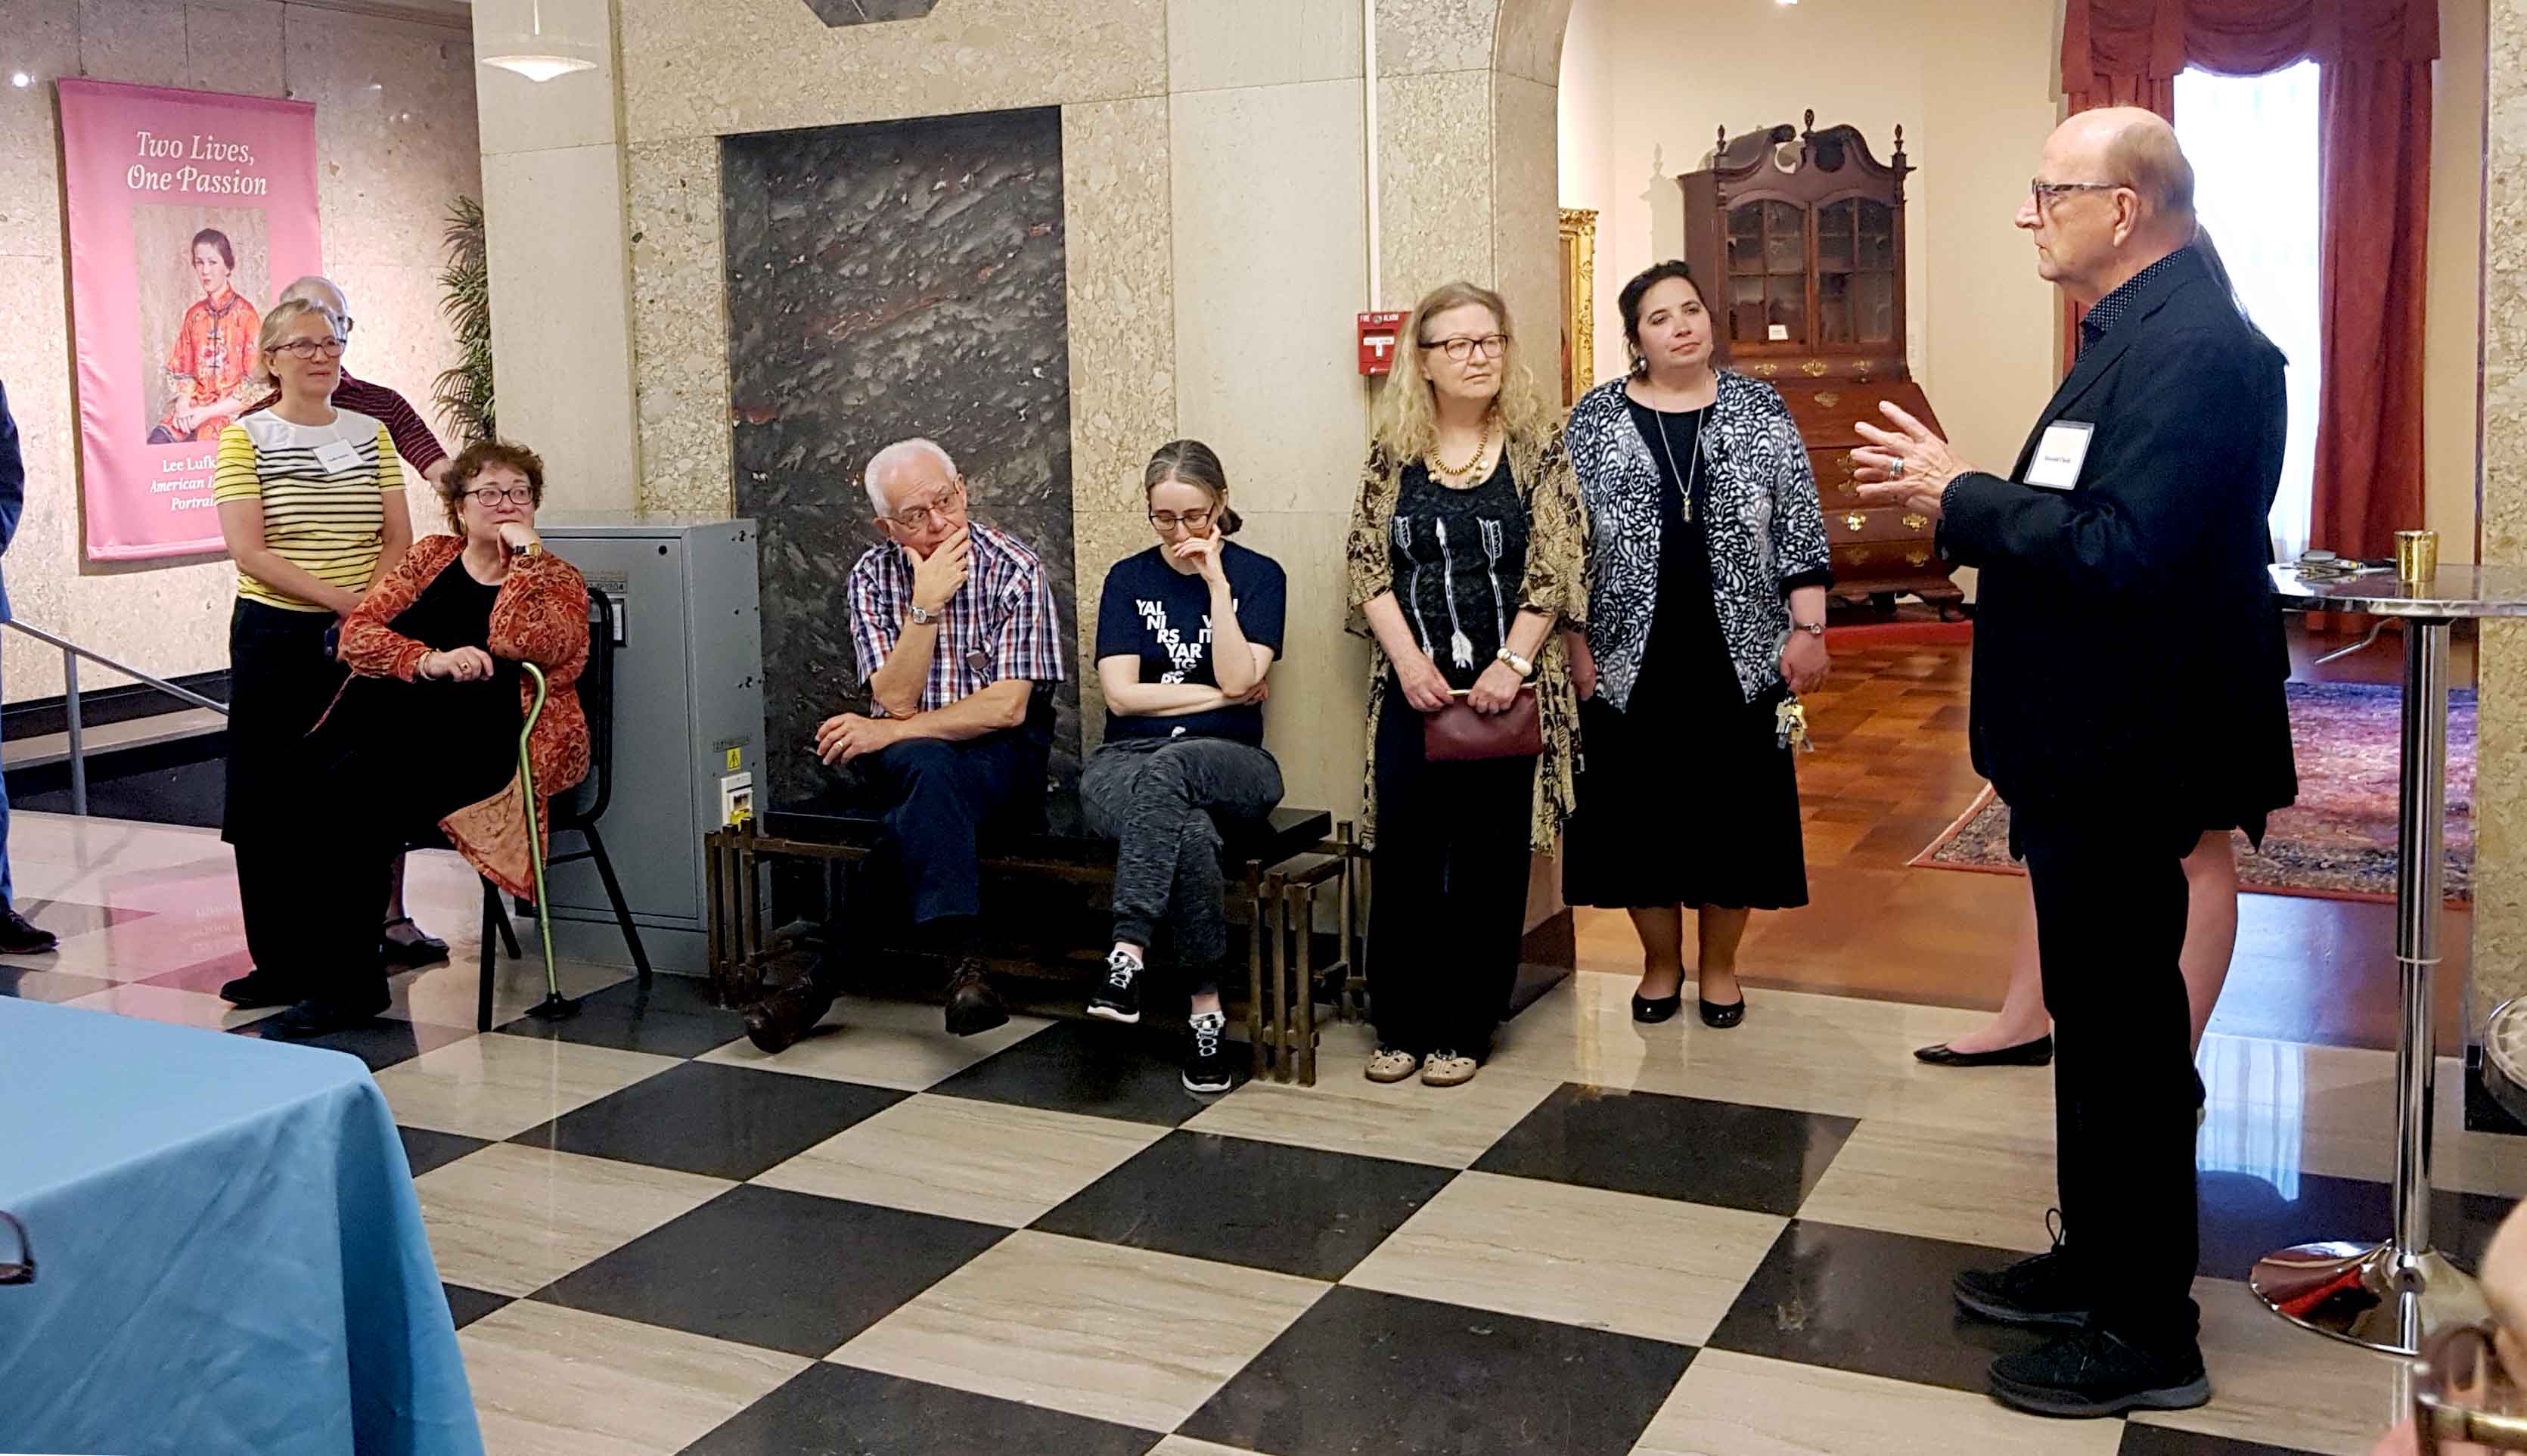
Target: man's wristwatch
(922, 616)
(1522, 666)
(1812, 629)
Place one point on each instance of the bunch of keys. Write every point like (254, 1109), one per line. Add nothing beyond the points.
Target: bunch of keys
(1790, 726)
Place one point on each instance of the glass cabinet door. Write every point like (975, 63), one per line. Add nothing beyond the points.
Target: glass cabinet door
(1873, 282)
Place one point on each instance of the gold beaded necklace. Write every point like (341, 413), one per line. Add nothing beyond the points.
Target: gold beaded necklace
(1483, 447)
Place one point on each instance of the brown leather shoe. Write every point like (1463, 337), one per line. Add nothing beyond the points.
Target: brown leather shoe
(972, 1005)
(778, 1021)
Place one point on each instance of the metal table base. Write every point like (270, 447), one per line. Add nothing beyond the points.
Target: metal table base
(2391, 1295)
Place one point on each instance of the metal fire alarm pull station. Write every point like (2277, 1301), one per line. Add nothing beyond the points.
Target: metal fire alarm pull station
(688, 723)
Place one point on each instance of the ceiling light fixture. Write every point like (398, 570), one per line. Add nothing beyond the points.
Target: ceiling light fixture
(533, 62)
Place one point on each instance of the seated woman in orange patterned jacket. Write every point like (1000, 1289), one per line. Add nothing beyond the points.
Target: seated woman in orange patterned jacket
(426, 733)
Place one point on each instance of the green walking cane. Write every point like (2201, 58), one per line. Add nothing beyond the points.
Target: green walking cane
(555, 1006)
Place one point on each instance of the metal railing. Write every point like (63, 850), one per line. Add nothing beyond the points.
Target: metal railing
(71, 653)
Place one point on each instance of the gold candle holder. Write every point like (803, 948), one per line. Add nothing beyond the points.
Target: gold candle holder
(2417, 556)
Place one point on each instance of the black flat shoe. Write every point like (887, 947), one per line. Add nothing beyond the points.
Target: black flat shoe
(1650, 1010)
(2036, 1052)
(1723, 1017)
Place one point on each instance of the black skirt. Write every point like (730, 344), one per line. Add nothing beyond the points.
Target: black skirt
(1687, 796)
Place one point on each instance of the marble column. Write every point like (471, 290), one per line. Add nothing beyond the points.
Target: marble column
(2500, 763)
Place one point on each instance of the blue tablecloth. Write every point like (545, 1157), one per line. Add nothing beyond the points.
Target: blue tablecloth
(228, 1252)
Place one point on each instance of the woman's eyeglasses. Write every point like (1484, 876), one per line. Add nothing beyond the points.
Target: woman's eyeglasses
(1465, 347)
(23, 1269)
(1196, 521)
(311, 349)
(490, 496)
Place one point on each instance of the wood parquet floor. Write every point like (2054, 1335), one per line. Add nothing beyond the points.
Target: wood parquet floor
(1892, 771)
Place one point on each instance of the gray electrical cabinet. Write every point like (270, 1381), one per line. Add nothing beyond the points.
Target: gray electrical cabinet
(688, 723)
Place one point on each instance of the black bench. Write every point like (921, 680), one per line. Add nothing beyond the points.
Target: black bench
(1275, 868)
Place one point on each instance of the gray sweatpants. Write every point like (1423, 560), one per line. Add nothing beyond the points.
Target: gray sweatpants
(1165, 799)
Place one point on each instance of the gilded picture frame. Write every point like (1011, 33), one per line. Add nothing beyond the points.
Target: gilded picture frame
(1578, 302)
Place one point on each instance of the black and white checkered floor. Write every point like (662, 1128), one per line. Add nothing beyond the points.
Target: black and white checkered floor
(891, 1243)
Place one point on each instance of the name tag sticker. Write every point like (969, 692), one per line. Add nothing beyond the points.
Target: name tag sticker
(337, 457)
(2056, 466)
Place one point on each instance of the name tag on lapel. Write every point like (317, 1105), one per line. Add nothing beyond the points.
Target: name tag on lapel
(2058, 456)
(337, 457)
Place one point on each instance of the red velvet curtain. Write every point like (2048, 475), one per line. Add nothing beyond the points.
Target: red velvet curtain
(2374, 154)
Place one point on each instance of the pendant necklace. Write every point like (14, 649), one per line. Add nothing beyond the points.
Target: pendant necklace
(1687, 474)
(1483, 447)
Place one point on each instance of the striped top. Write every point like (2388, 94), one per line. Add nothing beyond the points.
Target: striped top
(323, 490)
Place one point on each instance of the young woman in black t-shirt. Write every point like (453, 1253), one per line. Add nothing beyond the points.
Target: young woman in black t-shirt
(1185, 633)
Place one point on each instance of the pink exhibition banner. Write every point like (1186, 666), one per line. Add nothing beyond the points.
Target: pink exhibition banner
(188, 211)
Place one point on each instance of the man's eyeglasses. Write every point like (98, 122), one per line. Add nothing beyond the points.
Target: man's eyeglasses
(490, 496)
(311, 349)
(939, 509)
(1465, 345)
(22, 1271)
(1196, 521)
(2047, 193)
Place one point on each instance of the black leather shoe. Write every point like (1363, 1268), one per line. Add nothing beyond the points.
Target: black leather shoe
(973, 1006)
(2093, 1372)
(1721, 1016)
(2039, 1291)
(1649, 1011)
(256, 988)
(2036, 1052)
(412, 954)
(311, 1018)
(19, 936)
(776, 1023)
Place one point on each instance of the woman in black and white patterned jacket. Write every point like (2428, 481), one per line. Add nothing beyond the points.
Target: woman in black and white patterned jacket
(1706, 574)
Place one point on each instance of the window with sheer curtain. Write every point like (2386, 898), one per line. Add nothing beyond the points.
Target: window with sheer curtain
(2252, 143)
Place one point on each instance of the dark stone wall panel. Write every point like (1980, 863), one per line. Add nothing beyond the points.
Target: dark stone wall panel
(885, 281)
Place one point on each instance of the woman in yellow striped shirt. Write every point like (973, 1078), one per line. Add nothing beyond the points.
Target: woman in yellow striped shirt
(311, 506)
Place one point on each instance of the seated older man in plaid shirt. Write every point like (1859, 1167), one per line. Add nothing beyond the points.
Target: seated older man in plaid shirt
(960, 645)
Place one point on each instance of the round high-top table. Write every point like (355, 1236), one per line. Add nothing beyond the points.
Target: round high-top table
(2390, 1296)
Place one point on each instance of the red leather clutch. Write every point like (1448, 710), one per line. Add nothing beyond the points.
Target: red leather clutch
(1458, 734)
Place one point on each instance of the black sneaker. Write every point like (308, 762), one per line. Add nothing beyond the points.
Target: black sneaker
(1205, 1067)
(312, 1018)
(258, 988)
(1119, 996)
(2039, 1291)
(19, 936)
(2093, 1372)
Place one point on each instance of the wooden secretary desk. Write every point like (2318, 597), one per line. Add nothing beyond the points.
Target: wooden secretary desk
(1798, 240)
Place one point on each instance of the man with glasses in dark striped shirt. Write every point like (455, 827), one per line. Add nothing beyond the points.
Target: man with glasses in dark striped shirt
(960, 646)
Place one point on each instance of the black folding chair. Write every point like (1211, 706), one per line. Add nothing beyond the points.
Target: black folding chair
(576, 813)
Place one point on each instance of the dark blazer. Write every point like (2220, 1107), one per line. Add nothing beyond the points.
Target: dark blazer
(2128, 655)
(12, 487)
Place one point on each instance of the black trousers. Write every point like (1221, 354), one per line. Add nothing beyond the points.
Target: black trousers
(311, 913)
(2110, 903)
(1448, 905)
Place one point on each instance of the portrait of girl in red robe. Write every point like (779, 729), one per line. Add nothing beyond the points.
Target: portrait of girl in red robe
(209, 370)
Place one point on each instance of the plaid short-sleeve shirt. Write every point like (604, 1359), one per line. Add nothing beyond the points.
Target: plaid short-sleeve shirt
(1000, 625)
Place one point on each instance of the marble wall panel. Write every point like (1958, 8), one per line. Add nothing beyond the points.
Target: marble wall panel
(1268, 43)
(562, 348)
(704, 69)
(1316, 723)
(1271, 260)
(395, 135)
(139, 41)
(1121, 288)
(679, 325)
(1434, 146)
(2501, 768)
(1420, 37)
(887, 281)
(45, 45)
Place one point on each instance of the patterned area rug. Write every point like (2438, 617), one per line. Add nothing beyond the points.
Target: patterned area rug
(2339, 841)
